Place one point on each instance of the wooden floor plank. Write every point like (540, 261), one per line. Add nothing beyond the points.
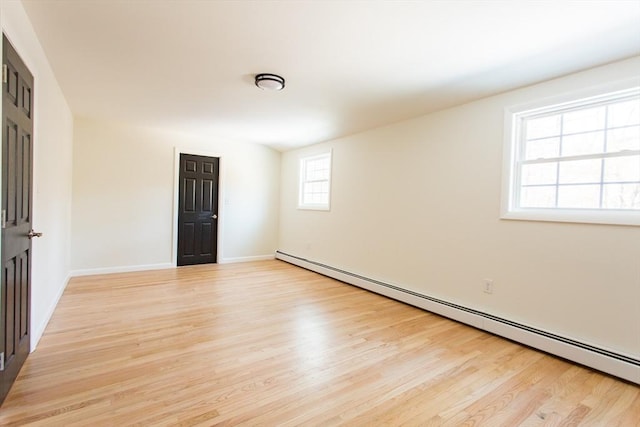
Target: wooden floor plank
(267, 343)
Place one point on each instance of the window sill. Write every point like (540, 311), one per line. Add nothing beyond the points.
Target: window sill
(314, 208)
(575, 216)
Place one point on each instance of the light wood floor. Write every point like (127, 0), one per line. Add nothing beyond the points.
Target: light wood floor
(267, 343)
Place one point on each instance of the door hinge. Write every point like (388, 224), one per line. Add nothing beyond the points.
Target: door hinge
(5, 73)
(4, 218)
(2, 361)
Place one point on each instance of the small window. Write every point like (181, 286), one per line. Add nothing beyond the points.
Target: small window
(578, 161)
(315, 182)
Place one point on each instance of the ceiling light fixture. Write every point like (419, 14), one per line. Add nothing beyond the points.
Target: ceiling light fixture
(269, 81)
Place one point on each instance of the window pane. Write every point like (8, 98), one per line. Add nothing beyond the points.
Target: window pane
(308, 171)
(624, 114)
(583, 143)
(623, 139)
(543, 127)
(318, 187)
(317, 169)
(319, 174)
(621, 196)
(584, 120)
(538, 197)
(316, 192)
(622, 169)
(579, 196)
(539, 173)
(579, 171)
(542, 148)
(306, 191)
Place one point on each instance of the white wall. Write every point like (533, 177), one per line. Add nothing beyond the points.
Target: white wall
(123, 192)
(53, 140)
(417, 204)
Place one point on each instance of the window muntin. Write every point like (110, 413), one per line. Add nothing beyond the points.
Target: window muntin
(580, 160)
(315, 182)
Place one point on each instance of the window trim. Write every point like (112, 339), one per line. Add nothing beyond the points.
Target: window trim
(512, 144)
(301, 181)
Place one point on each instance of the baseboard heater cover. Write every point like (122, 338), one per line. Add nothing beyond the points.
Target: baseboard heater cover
(616, 364)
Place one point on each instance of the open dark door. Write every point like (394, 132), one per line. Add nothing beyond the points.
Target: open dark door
(17, 155)
(198, 209)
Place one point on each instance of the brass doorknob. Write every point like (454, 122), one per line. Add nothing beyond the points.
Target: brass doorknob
(33, 234)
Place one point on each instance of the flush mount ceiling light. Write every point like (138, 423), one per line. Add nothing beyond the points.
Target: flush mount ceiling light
(269, 81)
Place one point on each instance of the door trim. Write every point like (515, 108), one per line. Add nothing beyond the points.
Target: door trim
(176, 189)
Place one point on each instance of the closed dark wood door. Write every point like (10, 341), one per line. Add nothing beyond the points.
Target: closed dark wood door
(198, 209)
(17, 155)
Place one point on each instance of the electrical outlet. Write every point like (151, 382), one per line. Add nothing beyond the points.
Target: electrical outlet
(488, 286)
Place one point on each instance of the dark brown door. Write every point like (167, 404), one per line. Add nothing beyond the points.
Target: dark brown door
(17, 155)
(198, 209)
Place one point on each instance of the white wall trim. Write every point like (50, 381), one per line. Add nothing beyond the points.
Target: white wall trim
(121, 269)
(37, 332)
(246, 259)
(176, 189)
(570, 349)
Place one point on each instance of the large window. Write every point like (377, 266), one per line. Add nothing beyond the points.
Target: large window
(315, 182)
(576, 161)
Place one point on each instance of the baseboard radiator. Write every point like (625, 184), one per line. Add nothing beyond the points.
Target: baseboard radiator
(619, 365)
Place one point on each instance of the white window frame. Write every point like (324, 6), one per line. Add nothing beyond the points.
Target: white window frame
(302, 174)
(512, 157)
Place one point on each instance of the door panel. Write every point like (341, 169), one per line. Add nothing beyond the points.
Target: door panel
(205, 244)
(189, 195)
(9, 296)
(188, 239)
(17, 172)
(198, 209)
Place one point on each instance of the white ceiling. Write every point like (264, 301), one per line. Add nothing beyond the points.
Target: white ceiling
(188, 65)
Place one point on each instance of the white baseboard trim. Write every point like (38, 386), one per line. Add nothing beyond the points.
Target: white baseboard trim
(37, 333)
(620, 365)
(246, 259)
(121, 269)
(162, 266)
